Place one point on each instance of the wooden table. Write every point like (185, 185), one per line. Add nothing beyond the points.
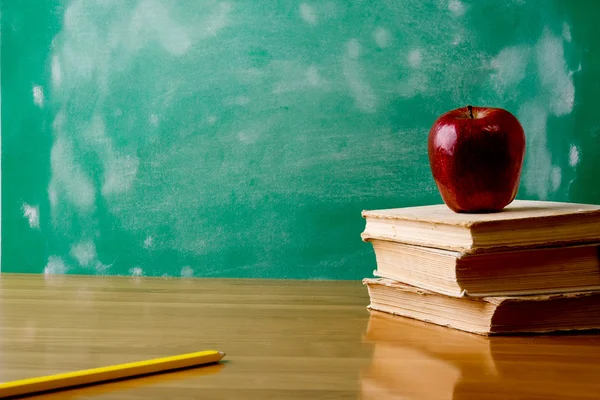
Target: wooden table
(283, 339)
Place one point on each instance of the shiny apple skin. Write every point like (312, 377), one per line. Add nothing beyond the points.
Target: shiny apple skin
(477, 162)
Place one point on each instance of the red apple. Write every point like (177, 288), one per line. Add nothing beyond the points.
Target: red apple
(476, 157)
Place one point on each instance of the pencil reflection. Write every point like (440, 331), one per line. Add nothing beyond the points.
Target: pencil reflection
(416, 360)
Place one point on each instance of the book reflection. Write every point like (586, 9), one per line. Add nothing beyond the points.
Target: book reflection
(416, 360)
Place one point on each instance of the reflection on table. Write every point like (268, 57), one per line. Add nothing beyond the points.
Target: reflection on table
(416, 360)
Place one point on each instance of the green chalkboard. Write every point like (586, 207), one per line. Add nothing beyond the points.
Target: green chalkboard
(243, 138)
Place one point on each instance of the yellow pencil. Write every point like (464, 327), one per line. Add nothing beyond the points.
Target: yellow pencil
(102, 374)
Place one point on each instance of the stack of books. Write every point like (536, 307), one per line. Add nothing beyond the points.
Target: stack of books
(533, 267)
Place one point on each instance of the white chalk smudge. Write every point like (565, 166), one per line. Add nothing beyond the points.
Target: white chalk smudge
(457, 40)
(573, 155)
(153, 119)
(68, 177)
(308, 14)
(136, 271)
(176, 41)
(566, 32)
(55, 266)
(556, 80)
(120, 170)
(509, 67)
(52, 194)
(101, 268)
(211, 119)
(148, 242)
(217, 21)
(456, 7)
(59, 121)
(32, 213)
(298, 77)
(187, 272)
(538, 166)
(361, 91)
(353, 49)
(415, 57)
(382, 37)
(312, 76)
(84, 252)
(248, 136)
(556, 178)
(38, 96)
(120, 173)
(151, 19)
(56, 71)
(413, 84)
(238, 101)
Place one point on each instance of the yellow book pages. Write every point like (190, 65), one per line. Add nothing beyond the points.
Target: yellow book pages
(501, 273)
(522, 224)
(576, 311)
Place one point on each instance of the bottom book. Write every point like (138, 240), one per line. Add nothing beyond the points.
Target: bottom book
(488, 315)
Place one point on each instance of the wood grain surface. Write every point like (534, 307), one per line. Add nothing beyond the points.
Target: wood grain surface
(283, 339)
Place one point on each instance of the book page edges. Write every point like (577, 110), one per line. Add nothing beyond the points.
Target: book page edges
(515, 212)
(507, 293)
(474, 249)
(427, 320)
(496, 300)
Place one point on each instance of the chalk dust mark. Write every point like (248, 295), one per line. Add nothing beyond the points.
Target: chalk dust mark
(556, 178)
(360, 90)
(237, 101)
(538, 167)
(382, 37)
(555, 78)
(296, 77)
(573, 155)
(102, 268)
(56, 71)
(312, 76)
(38, 96)
(415, 58)
(509, 68)
(353, 49)
(149, 242)
(84, 252)
(456, 7)
(68, 177)
(413, 84)
(566, 32)
(187, 272)
(308, 14)
(55, 266)
(120, 170)
(32, 213)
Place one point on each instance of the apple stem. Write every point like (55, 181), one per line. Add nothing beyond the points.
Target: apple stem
(470, 108)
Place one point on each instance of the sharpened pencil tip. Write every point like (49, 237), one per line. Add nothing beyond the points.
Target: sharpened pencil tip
(222, 354)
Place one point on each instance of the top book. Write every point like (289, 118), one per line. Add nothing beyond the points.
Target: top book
(522, 224)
